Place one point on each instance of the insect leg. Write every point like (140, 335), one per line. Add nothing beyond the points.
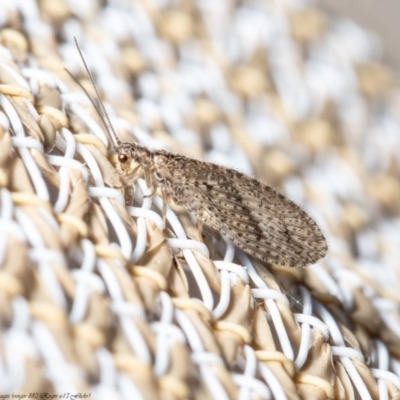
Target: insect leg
(202, 217)
(165, 195)
(151, 183)
(129, 193)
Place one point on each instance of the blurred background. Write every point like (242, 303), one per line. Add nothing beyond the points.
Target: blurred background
(382, 17)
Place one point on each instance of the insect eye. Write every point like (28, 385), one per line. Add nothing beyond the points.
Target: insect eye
(122, 158)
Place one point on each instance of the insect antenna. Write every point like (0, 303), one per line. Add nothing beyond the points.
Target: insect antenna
(103, 113)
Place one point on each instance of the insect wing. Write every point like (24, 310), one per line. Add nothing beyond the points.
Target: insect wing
(259, 220)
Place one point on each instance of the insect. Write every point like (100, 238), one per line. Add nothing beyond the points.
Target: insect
(261, 221)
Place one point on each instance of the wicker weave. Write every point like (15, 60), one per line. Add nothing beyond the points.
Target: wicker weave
(97, 300)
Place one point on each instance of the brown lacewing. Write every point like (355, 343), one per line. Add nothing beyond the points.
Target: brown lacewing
(261, 221)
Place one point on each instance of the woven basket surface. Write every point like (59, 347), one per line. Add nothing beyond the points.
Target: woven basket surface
(97, 300)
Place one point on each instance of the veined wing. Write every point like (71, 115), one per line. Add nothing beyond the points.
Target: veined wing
(259, 220)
